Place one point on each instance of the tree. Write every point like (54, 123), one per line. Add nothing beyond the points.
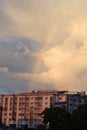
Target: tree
(79, 117)
(57, 117)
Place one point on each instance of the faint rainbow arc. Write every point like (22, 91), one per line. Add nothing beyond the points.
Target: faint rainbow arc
(45, 42)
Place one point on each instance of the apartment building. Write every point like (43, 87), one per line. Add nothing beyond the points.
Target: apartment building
(25, 108)
(69, 100)
(74, 100)
(60, 99)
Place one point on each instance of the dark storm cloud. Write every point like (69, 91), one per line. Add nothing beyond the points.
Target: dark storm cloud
(18, 59)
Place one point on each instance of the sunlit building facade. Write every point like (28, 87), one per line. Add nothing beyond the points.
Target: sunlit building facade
(26, 108)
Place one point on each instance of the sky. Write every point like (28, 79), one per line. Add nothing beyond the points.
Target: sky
(43, 45)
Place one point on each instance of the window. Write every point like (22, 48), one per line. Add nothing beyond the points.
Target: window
(79, 100)
(19, 114)
(38, 98)
(60, 98)
(6, 99)
(46, 103)
(5, 109)
(32, 98)
(74, 100)
(31, 108)
(19, 108)
(5, 114)
(46, 97)
(9, 119)
(38, 109)
(38, 103)
(10, 114)
(70, 104)
(10, 108)
(27, 98)
(32, 103)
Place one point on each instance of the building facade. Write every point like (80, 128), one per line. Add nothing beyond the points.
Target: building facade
(26, 108)
(69, 100)
(74, 100)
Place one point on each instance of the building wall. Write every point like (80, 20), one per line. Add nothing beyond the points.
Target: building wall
(69, 100)
(25, 108)
(73, 101)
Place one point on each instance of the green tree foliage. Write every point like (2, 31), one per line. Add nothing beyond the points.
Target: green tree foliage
(79, 117)
(58, 118)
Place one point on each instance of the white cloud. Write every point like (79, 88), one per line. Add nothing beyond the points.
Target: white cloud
(66, 63)
(22, 49)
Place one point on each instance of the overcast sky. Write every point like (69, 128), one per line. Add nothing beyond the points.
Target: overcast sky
(43, 45)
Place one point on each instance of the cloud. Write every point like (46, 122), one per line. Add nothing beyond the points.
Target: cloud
(65, 63)
(64, 46)
(3, 69)
(18, 55)
(34, 19)
(22, 49)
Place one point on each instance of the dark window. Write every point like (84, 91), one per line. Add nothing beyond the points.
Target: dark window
(5, 109)
(46, 103)
(46, 97)
(5, 114)
(10, 114)
(38, 98)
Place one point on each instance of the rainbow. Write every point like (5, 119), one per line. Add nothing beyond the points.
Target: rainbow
(46, 41)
